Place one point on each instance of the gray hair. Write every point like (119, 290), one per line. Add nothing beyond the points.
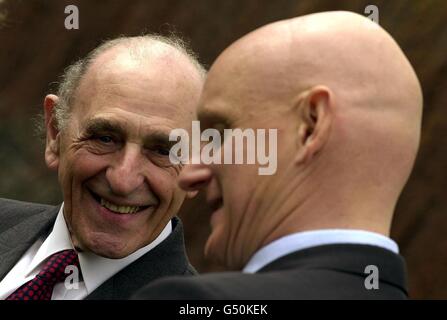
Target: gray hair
(73, 74)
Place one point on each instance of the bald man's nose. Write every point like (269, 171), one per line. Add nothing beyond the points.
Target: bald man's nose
(194, 177)
(125, 175)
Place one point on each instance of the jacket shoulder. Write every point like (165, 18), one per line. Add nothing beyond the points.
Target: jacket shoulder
(13, 212)
(282, 285)
(203, 287)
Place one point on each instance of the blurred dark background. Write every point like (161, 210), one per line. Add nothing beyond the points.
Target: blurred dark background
(35, 47)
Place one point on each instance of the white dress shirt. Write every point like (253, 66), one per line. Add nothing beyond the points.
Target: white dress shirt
(95, 269)
(308, 239)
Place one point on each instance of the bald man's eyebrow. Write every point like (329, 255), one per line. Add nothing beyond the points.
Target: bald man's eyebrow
(209, 118)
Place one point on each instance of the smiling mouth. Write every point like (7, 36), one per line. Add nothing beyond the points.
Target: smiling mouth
(117, 208)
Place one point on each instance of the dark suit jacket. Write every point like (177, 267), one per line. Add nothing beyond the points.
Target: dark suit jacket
(21, 224)
(323, 272)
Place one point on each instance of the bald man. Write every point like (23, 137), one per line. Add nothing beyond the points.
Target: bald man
(107, 135)
(347, 106)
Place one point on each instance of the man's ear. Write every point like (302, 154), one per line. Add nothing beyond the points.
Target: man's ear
(315, 112)
(52, 132)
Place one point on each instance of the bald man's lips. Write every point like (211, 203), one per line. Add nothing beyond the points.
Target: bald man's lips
(216, 204)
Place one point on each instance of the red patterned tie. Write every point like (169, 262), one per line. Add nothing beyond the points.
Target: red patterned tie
(41, 287)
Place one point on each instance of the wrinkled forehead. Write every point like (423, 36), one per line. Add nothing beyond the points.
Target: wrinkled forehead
(161, 87)
(161, 68)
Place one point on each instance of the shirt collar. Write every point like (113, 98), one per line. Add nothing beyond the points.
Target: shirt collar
(95, 269)
(307, 239)
(57, 240)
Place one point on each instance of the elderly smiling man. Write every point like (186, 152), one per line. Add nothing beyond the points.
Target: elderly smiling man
(347, 106)
(107, 135)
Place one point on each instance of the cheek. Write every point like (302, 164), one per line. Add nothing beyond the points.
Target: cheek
(242, 197)
(76, 167)
(164, 183)
(238, 182)
(86, 165)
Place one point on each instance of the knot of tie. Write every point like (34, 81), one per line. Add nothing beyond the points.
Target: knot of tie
(53, 272)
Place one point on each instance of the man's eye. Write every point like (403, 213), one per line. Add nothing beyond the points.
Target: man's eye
(105, 139)
(164, 151)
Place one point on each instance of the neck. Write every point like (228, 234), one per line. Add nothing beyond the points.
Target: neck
(303, 204)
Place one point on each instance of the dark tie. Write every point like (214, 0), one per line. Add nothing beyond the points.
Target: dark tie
(41, 287)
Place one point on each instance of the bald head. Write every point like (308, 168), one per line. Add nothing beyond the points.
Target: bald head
(347, 106)
(157, 64)
(342, 50)
(122, 56)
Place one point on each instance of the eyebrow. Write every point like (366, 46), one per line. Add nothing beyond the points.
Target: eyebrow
(94, 126)
(210, 117)
(158, 137)
(101, 125)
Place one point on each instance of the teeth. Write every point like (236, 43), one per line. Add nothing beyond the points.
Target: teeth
(119, 209)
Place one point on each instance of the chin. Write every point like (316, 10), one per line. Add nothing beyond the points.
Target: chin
(108, 246)
(215, 253)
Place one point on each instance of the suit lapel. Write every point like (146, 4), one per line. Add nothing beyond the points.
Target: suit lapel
(16, 240)
(168, 258)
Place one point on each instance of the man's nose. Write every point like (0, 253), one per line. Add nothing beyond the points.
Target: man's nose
(193, 177)
(125, 174)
